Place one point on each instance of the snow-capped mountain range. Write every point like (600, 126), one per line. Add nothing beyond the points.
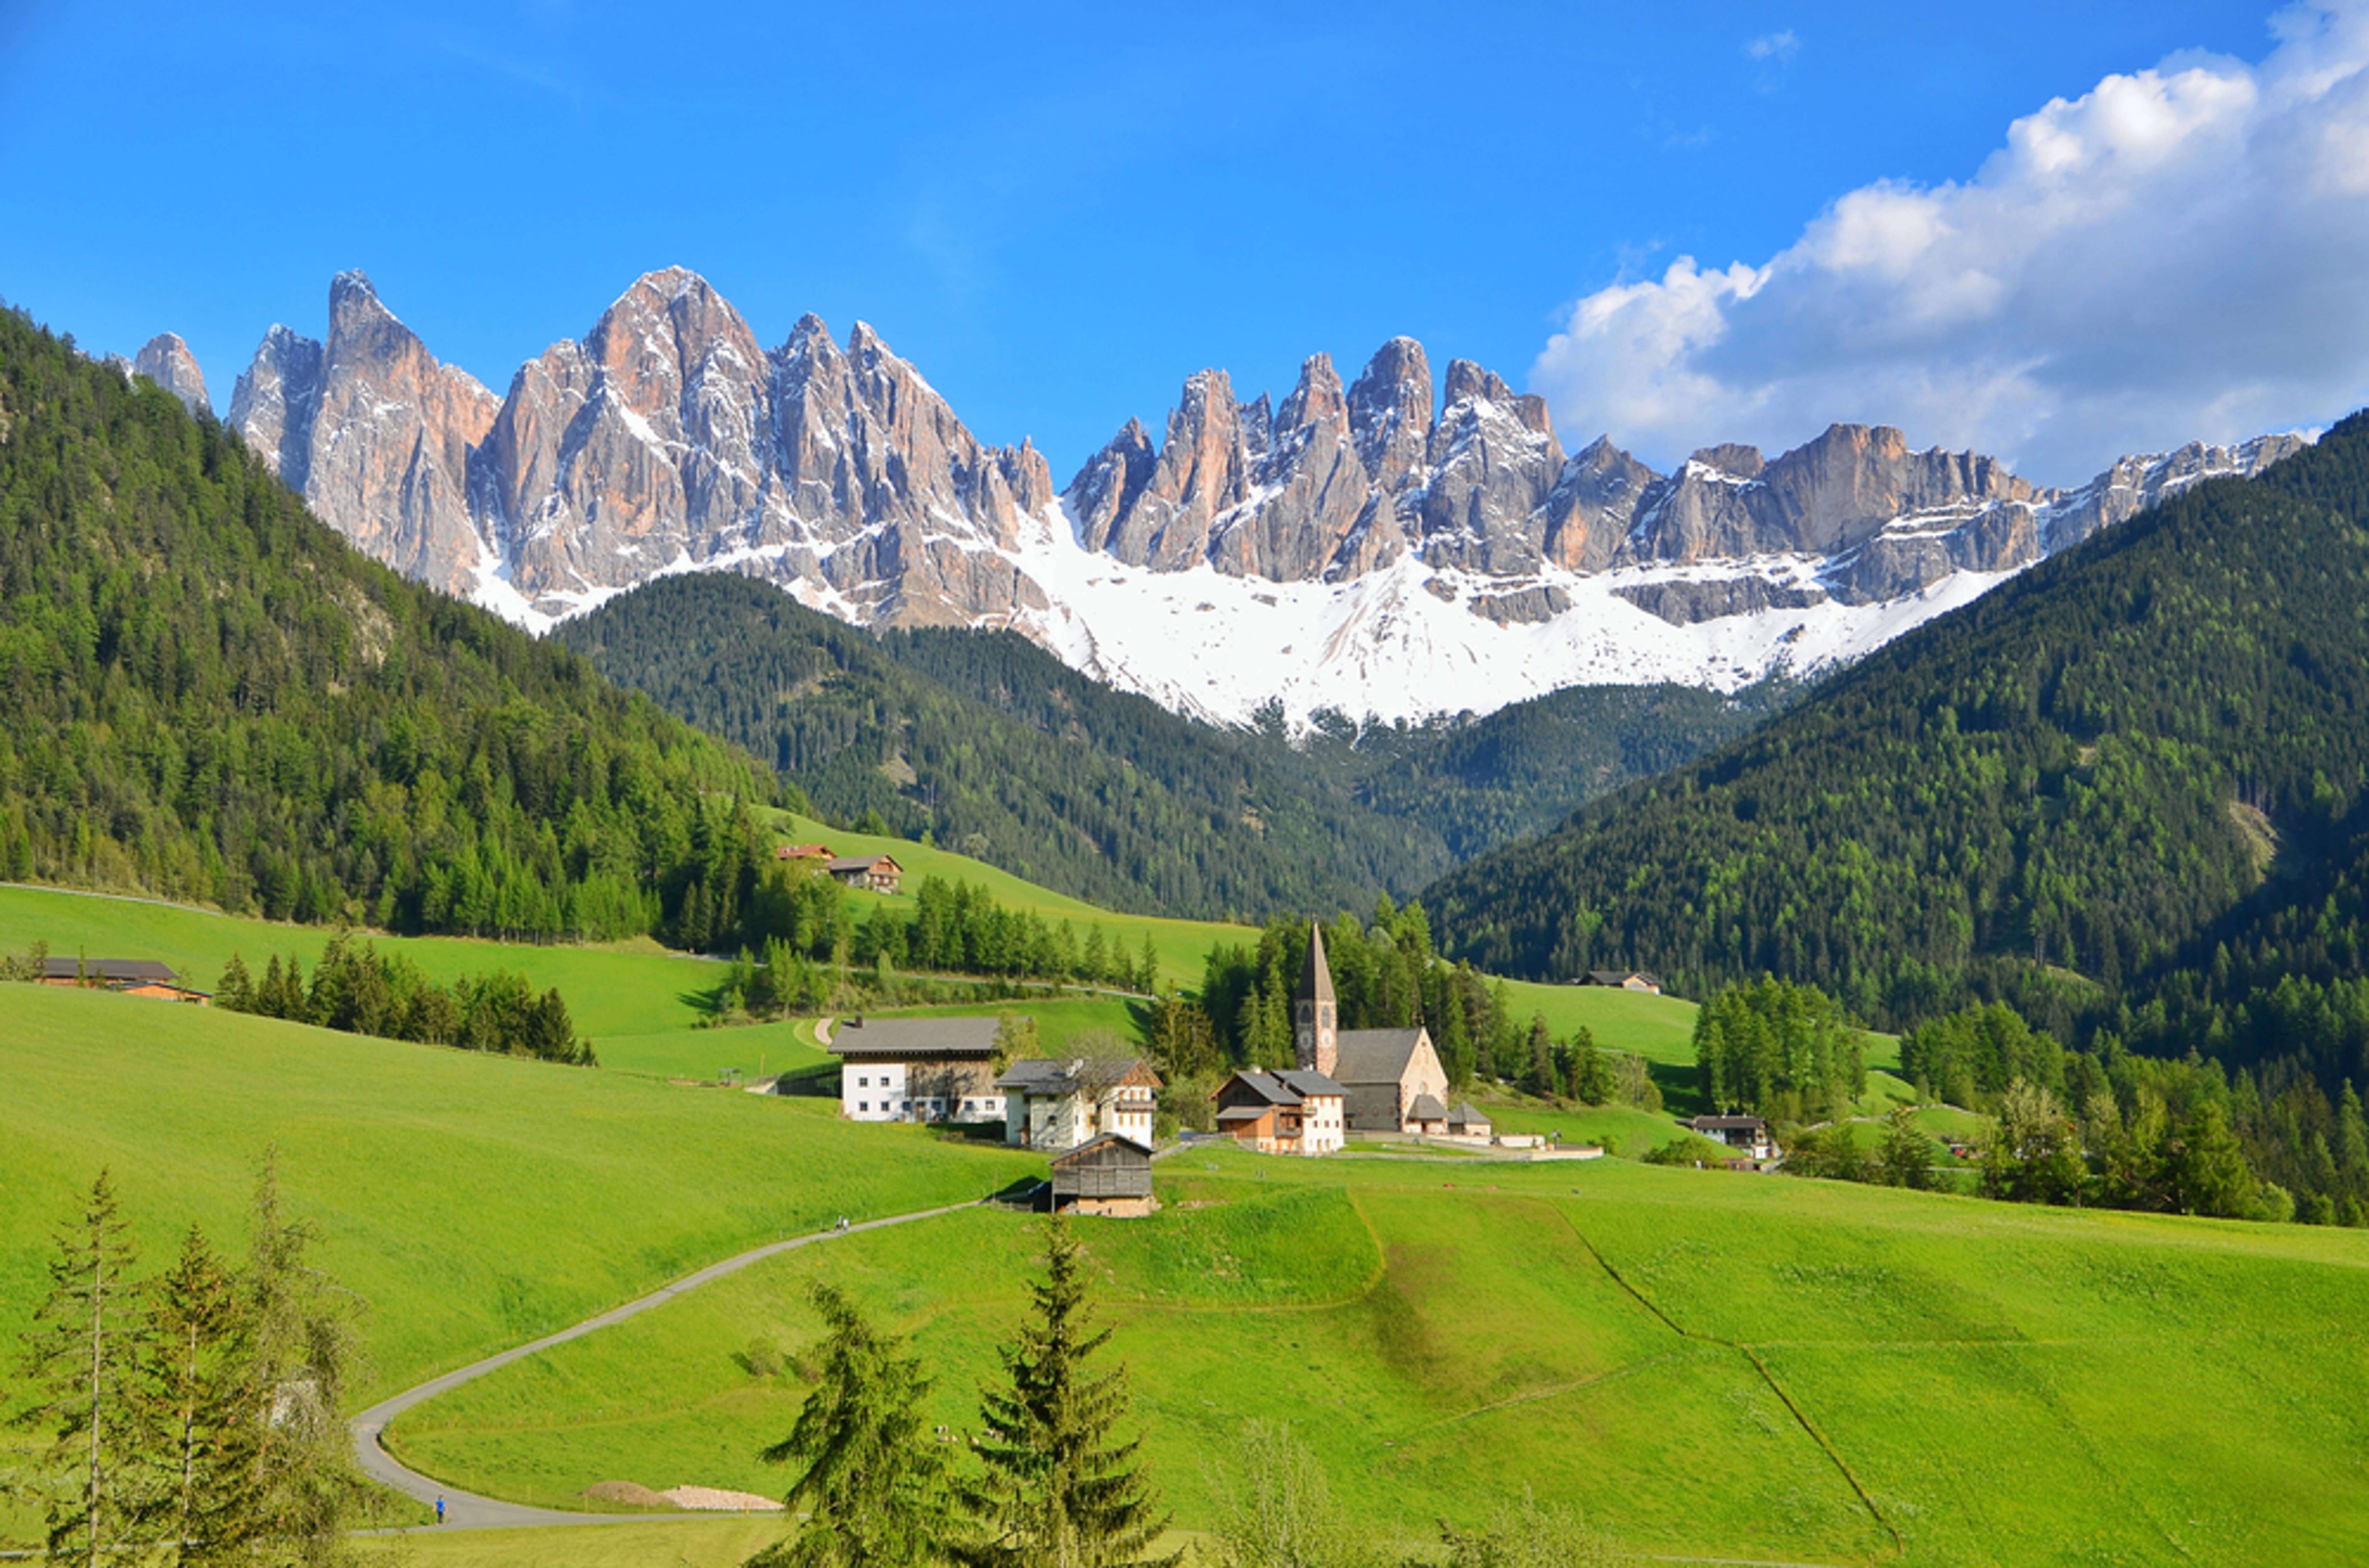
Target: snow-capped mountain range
(1348, 549)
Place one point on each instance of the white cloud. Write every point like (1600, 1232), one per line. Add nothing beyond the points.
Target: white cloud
(2182, 252)
(1779, 47)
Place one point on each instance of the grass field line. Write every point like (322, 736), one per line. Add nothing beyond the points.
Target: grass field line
(465, 1510)
(1899, 1542)
(1540, 1396)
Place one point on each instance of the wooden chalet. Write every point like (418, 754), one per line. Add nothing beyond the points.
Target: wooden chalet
(878, 871)
(1624, 980)
(1110, 1175)
(1298, 1112)
(129, 977)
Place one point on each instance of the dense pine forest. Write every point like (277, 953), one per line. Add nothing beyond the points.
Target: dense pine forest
(209, 695)
(2123, 793)
(991, 746)
(1102, 795)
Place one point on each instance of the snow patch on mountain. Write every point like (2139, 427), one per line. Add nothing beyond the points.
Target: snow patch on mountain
(1403, 642)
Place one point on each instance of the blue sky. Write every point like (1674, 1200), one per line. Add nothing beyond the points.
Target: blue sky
(1058, 212)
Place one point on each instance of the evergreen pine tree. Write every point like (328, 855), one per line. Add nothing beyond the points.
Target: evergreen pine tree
(237, 990)
(874, 1483)
(202, 1417)
(81, 1359)
(1058, 1492)
(1906, 1159)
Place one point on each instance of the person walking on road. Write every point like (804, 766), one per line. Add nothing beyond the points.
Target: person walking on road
(439, 1510)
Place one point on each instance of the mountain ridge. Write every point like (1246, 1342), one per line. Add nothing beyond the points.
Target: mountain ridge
(668, 440)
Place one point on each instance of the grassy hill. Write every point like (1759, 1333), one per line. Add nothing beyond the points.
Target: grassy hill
(476, 1201)
(1708, 1365)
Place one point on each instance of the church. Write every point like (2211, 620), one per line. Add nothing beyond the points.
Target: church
(1392, 1079)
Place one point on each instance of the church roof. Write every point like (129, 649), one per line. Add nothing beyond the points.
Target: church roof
(1375, 1056)
(1316, 975)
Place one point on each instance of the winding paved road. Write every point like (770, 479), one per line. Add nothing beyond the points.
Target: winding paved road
(467, 1511)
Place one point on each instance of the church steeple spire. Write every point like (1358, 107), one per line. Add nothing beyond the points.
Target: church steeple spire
(1315, 1015)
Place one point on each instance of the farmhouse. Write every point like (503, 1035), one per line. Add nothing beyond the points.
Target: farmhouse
(1298, 1112)
(877, 872)
(1065, 1104)
(917, 1069)
(1625, 979)
(1110, 1175)
(1747, 1133)
(818, 853)
(131, 977)
(1390, 1078)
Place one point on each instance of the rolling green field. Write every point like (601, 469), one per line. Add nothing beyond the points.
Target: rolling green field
(474, 1201)
(1707, 1364)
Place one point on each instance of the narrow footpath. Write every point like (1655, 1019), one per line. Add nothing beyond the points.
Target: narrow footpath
(466, 1510)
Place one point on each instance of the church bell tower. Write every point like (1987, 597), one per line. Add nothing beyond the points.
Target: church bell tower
(1315, 1016)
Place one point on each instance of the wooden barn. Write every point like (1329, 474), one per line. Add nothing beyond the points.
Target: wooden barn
(1110, 1176)
(878, 871)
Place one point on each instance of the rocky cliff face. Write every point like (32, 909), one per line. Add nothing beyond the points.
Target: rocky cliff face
(1403, 529)
(166, 360)
(373, 431)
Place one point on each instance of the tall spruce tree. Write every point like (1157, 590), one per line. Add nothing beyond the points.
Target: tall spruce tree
(1059, 1491)
(201, 1416)
(874, 1486)
(81, 1363)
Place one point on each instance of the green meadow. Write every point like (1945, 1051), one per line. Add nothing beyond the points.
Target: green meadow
(473, 1201)
(1707, 1364)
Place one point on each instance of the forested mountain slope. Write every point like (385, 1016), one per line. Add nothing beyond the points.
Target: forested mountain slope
(2070, 794)
(999, 751)
(207, 694)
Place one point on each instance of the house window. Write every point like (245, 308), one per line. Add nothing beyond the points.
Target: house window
(863, 1083)
(863, 1104)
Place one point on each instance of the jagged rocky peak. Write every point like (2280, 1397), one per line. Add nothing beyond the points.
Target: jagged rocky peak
(373, 431)
(1594, 501)
(2133, 484)
(1389, 412)
(166, 360)
(1309, 486)
(1494, 461)
(1831, 495)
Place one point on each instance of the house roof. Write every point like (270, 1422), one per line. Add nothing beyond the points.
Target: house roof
(107, 970)
(1316, 975)
(805, 852)
(1099, 1145)
(916, 1037)
(1045, 1075)
(1375, 1056)
(1622, 977)
(1245, 1113)
(1427, 1108)
(1290, 1087)
(1713, 1124)
(1465, 1115)
(862, 862)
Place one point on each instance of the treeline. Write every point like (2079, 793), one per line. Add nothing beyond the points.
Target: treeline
(2071, 796)
(357, 990)
(2106, 1127)
(207, 695)
(1785, 1051)
(193, 1415)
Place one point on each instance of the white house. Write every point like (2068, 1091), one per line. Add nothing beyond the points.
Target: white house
(1056, 1106)
(1748, 1134)
(917, 1069)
